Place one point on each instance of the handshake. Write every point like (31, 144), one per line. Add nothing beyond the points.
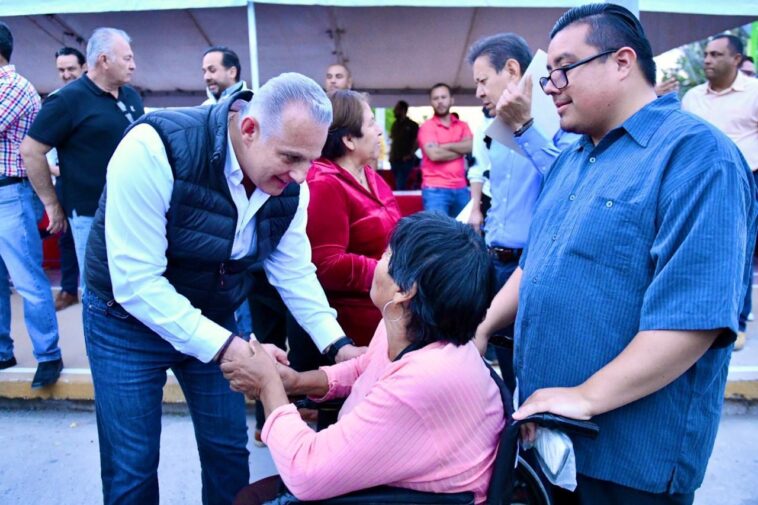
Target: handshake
(250, 367)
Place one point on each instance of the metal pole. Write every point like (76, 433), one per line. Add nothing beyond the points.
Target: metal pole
(252, 38)
(632, 5)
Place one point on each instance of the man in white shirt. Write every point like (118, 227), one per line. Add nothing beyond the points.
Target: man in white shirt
(196, 199)
(221, 73)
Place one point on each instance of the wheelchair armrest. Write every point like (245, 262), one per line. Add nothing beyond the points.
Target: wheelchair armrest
(307, 403)
(393, 495)
(565, 424)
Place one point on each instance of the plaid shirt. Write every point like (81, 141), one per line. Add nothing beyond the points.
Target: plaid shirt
(19, 105)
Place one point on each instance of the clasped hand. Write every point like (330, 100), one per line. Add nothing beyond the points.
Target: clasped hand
(251, 367)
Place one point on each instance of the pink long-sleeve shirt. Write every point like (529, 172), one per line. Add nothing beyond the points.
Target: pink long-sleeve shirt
(429, 421)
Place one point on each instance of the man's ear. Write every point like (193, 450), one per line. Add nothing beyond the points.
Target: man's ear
(250, 129)
(626, 61)
(513, 68)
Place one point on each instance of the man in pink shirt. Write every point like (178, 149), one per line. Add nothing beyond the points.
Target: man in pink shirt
(445, 140)
(729, 101)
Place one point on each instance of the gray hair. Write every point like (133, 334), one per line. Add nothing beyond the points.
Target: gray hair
(101, 42)
(499, 49)
(270, 100)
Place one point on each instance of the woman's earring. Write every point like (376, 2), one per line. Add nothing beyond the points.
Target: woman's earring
(384, 315)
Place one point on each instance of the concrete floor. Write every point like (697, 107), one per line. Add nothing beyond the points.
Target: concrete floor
(50, 456)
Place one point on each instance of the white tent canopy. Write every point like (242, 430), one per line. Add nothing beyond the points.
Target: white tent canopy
(393, 50)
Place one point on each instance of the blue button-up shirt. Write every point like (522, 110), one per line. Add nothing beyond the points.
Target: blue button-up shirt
(649, 230)
(515, 183)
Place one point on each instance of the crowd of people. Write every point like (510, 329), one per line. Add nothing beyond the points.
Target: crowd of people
(615, 253)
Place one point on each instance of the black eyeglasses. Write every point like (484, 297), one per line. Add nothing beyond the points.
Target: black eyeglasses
(558, 75)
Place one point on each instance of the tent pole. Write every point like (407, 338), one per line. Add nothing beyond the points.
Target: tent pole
(632, 5)
(252, 38)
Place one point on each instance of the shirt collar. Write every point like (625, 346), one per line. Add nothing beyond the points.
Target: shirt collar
(238, 86)
(94, 88)
(737, 85)
(7, 70)
(232, 169)
(645, 122)
(438, 121)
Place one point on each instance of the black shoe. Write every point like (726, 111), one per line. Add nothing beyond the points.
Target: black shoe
(7, 363)
(47, 373)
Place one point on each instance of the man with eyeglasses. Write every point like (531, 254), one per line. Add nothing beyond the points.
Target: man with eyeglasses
(84, 121)
(498, 63)
(638, 258)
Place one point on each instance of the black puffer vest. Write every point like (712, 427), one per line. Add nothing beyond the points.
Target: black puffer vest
(202, 219)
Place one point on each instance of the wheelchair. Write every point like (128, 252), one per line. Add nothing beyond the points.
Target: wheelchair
(516, 477)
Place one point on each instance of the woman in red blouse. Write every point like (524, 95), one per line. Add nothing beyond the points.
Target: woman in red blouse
(351, 214)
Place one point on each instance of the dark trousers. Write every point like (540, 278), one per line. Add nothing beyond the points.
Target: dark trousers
(591, 491)
(503, 271)
(69, 265)
(129, 364)
(401, 170)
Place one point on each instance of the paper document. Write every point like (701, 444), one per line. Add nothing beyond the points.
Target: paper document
(545, 115)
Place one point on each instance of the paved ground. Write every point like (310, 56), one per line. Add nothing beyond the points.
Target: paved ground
(51, 456)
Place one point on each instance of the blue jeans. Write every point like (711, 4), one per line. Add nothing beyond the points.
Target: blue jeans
(69, 265)
(129, 364)
(446, 201)
(80, 227)
(21, 254)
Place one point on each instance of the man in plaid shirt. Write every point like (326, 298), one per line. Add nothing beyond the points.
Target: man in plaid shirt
(20, 244)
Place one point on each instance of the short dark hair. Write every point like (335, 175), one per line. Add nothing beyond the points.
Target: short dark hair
(735, 43)
(454, 277)
(499, 49)
(68, 51)
(441, 85)
(6, 42)
(612, 27)
(347, 119)
(401, 105)
(746, 58)
(229, 59)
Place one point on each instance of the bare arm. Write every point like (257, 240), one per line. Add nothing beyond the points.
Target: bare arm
(651, 361)
(436, 152)
(502, 311)
(38, 170)
(461, 147)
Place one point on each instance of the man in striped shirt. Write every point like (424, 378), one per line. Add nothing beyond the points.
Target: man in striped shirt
(635, 269)
(20, 244)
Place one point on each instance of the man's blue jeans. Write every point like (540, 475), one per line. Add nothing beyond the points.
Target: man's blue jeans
(80, 227)
(129, 364)
(444, 200)
(21, 254)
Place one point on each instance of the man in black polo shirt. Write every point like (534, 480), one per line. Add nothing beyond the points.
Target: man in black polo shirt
(85, 121)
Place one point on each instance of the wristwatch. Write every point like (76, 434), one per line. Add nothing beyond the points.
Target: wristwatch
(331, 351)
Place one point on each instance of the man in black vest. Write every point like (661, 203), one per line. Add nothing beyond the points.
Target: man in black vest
(196, 199)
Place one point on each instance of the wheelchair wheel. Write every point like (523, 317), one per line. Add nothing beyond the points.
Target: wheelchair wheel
(528, 488)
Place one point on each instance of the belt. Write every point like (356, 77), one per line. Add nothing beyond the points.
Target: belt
(7, 181)
(505, 254)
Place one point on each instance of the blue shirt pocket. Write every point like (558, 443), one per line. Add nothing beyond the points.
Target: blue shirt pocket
(606, 232)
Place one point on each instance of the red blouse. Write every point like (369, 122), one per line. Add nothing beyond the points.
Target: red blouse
(349, 228)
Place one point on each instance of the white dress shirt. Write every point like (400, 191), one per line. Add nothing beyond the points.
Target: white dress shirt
(139, 185)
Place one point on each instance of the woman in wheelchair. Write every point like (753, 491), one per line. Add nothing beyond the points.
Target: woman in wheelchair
(422, 411)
